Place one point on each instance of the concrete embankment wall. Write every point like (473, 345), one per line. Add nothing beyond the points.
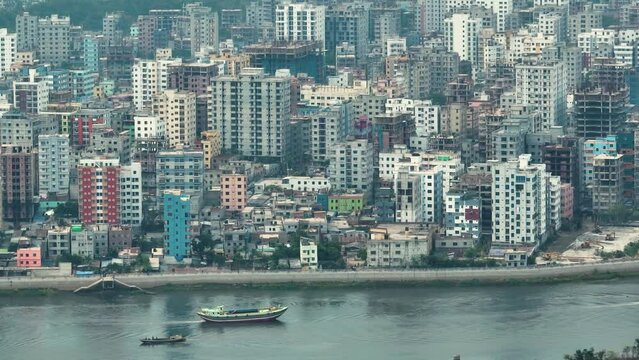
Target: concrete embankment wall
(328, 277)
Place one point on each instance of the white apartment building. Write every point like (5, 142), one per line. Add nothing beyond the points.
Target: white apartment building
(551, 24)
(53, 165)
(449, 163)
(54, 40)
(330, 126)
(462, 215)
(351, 165)
(176, 109)
(427, 119)
(149, 77)
(204, 28)
(589, 41)
(308, 253)
(327, 95)
(520, 202)
(408, 205)
(131, 194)
(502, 9)
(149, 127)
(524, 43)
(396, 245)
(554, 197)
(251, 111)
(8, 50)
(31, 95)
(395, 46)
(429, 16)
(306, 183)
(625, 53)
(543, 85)
(401, 156)
(461, 32)
(300, 22)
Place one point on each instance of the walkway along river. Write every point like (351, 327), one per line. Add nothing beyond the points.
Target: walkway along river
(490, 275)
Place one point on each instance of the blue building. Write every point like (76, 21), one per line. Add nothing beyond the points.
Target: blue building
(91, 54)
(177, 224)
(82, 84)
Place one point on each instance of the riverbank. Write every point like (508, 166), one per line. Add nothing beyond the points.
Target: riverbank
(489, 276)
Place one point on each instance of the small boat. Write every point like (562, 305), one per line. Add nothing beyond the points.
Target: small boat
(220, 315)
(165, 340)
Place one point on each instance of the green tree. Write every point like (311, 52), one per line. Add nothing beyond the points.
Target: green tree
(437, 98)
(13, 247)
(472, 252)
(631, 249)
(329, 255)
(362, 254)
(67, 209)
(75, 260)
(142, 261)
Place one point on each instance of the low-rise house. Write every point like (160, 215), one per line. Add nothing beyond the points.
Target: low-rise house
(345, 203)
(58, 241)
(396, 245)
(308, 253)
(82, 243)
(29, 257)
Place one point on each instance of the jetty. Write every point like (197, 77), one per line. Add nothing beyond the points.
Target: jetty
(109, 283)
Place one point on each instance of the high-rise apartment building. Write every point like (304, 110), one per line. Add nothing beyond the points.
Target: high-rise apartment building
(429, 17)
(300, 22)
(461, 31)
(329, 126)
(148, 78)
(110, 193)
(252, 112)
(177, 224)
(54, 40)
(8, 50)
(21, 129)
(520, 201)
(53, 166)
(18, 169)
(204, 28)
(347, 23)
(180, 170)
(27, 32)
(111, 31)
(351, 165)
(543, 85)
(177, 110)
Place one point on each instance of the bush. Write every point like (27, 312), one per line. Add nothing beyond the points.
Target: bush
(631, 249)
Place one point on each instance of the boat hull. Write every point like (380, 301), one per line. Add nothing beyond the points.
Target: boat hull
(160, 342)
(249, 318)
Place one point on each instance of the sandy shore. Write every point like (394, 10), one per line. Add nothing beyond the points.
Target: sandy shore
(489, 276)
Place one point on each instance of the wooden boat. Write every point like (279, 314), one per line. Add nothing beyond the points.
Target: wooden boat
(165, 340)
(220, 315)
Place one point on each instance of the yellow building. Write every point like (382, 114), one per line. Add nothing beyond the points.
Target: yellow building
(211, 146)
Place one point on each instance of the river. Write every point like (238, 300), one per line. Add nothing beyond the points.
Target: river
(480, 322)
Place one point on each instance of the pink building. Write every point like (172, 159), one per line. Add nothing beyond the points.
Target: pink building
(233, 192)
(29, 257)
(567, 201)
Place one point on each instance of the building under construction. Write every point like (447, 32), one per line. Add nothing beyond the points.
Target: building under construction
(599, 113)
(299, 57)
(601, 108)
